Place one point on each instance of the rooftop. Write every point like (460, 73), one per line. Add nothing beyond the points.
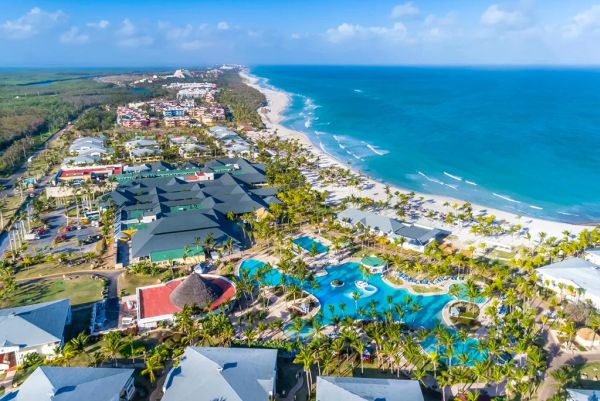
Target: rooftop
(362, 389)
(232, 374)
(32, 325)
(49, 383)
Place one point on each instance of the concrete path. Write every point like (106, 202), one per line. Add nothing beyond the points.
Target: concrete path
(295, 389)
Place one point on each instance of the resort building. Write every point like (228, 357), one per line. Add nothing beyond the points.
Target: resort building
(362, 389)
(582, 395)
(374, 264)
(87, 150)
(592, 255)
(51, 383)
(88, 172)
(411, 236)
(168, 218)
(35, 328)
(232, 374)
(575, 279)
(159, 303)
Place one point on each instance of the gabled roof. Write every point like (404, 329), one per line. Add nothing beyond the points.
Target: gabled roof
(32, 325)
(583, 395)
(362, 389)
(48, 383)
(578, 271)
(232, 374)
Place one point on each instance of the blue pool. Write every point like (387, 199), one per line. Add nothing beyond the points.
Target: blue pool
(372, 297)
(308, 244)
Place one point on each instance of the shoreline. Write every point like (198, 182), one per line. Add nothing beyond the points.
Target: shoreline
(272, 115)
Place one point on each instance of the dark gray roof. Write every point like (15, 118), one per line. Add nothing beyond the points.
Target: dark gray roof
(48, 383)
(38, 324)
(363, 389)
(232, 374)
(390, 226)
(184, 228)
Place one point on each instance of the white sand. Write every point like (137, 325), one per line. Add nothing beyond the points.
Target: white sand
(272, 117)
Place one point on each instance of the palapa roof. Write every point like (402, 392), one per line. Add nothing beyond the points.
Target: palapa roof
(195, 291)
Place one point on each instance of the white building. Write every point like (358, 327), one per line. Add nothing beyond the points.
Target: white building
(575, 279)
(29, 329)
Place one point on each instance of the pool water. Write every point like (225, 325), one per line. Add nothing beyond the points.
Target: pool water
(344, 304)
(307, 243)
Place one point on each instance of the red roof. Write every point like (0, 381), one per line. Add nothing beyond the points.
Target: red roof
(154, 301)
(112, 169)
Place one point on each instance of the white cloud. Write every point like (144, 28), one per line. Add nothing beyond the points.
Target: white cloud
(102, 24)
(129, 35)
(31, 23)
(74, 36)
(497, 17)
(586, 21)
(345, 31)
(223, 26)
(434, 20)
(405, 10)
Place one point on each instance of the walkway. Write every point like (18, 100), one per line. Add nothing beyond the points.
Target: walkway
(295, 389)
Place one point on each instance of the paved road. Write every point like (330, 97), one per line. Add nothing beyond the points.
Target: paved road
(10, 181)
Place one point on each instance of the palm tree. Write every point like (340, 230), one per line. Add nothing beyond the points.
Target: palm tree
(306, 357)
(80, 342)
(153, 365)
(359, 347)
(112, 345)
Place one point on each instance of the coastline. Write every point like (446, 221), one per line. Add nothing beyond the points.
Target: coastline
(273, 118)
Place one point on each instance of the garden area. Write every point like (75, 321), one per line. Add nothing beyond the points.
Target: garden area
(80, 290)
(464, 314)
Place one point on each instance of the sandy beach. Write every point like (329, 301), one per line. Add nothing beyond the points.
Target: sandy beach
(272, 116)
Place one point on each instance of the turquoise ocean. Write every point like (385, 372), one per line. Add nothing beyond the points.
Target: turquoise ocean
(524, 140)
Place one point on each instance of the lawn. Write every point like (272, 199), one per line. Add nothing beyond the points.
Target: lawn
(48, 268)
(425, 289)
(80, 290)
(128, 282)
(590, 376)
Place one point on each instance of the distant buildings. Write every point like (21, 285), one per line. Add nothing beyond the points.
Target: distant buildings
(51, 383)
(134, 117)
(363, 389)
(143, 149)
(232, 374)
(231, 143)
(414, 237)
(36, 328)
(575, 279)
(87, 150)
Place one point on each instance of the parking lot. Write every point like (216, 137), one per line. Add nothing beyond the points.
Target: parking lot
(56, 222)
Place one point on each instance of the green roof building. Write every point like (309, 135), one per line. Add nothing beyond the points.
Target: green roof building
(375, 264)
(195, 254)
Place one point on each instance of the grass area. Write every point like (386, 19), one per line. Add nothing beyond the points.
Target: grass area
(393, 280)
(589, 374)
(48, 268)
(79, 290)
(9, 206)
(128, 282)
(426, 289)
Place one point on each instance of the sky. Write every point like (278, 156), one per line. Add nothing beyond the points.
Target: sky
(108, 33)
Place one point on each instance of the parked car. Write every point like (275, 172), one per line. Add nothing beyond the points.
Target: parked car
(31, 236)
(41, 231)
(69, 228)
(61, 238)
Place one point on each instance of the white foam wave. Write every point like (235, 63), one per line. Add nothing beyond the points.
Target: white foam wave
(567, 214)
(358, 90)
(377, 151)
(454, 187)
(471, 183)
(506, 198)
(454, 177)
(536, 207)
(308, 123)
(431, 179)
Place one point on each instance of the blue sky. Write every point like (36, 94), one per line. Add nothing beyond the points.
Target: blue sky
(188, 33)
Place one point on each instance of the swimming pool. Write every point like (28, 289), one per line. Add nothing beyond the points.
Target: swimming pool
(340, 301)
(373, 295)
(308, 244)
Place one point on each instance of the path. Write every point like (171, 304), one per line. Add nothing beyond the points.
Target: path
(295, 389)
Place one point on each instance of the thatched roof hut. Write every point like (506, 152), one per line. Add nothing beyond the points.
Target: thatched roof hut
(195, 290)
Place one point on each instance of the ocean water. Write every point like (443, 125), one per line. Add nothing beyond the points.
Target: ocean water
(520, 140)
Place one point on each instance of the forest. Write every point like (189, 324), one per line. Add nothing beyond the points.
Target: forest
(36, 104)
(241, 100)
